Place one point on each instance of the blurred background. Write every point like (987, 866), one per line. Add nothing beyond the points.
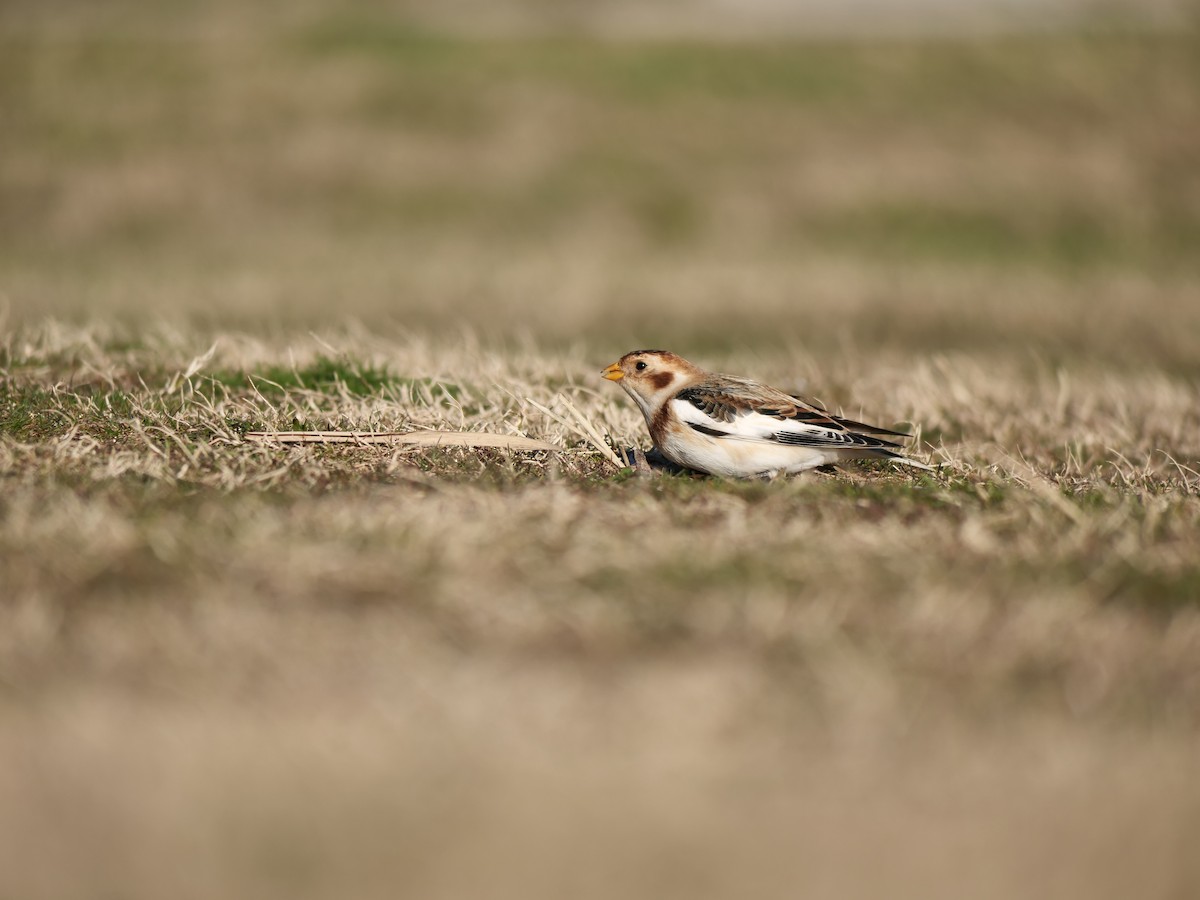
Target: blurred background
(994, 175)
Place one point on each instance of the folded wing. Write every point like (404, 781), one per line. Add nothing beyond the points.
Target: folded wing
(738, 409)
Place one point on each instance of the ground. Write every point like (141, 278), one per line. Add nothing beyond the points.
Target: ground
(232, 669)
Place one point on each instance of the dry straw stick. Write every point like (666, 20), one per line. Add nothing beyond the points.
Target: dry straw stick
(581, 427)
(415, 438)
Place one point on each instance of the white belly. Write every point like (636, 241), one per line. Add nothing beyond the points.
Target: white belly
(734, 458)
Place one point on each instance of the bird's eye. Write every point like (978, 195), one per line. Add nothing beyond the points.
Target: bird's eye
(641, 365)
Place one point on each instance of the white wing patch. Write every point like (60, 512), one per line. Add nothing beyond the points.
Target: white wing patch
(748, 426)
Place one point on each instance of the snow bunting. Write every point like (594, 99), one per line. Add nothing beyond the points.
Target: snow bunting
(739, 428)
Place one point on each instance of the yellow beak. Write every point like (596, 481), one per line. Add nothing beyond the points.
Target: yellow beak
(613, 372)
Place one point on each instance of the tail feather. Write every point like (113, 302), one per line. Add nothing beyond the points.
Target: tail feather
(863, 428)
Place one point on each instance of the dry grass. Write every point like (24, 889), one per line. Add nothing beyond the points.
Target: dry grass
(237, 669)
(444, 669)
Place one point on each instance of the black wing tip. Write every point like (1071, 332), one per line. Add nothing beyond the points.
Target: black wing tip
(830, 438)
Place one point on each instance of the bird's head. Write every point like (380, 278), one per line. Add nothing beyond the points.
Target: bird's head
(651, 376)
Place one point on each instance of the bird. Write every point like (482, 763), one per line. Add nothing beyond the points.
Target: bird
(737, 428)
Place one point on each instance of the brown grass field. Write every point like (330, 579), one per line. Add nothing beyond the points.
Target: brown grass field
(230, 669)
